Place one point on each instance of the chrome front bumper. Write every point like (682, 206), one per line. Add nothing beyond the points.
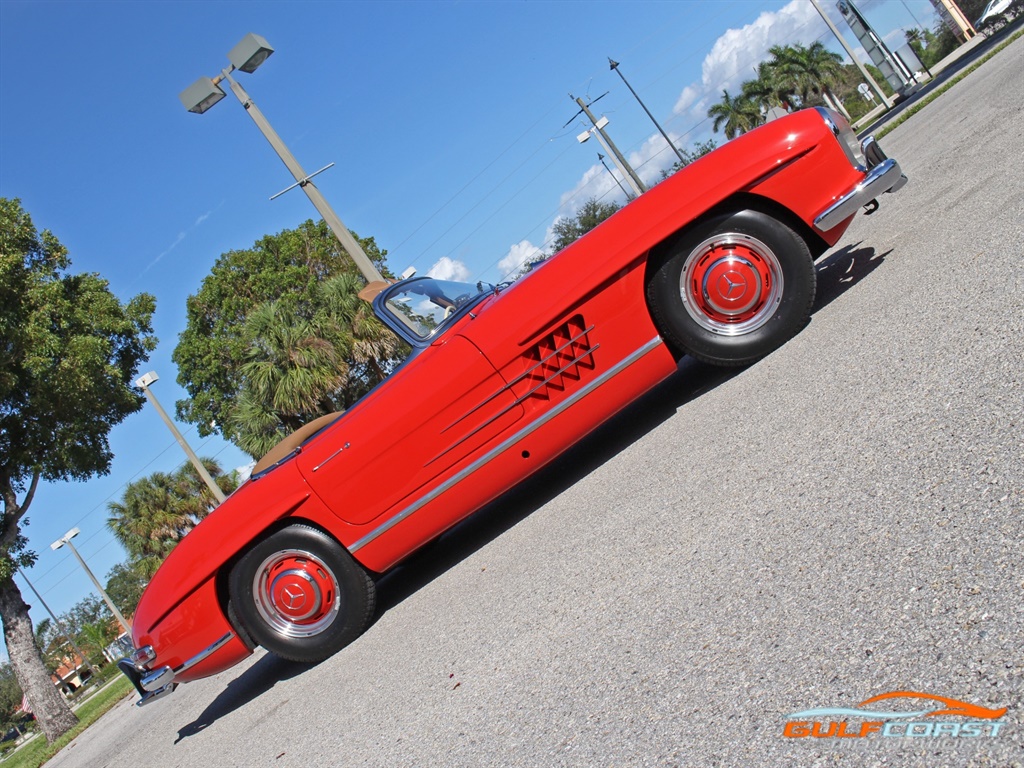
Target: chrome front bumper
(157, 683)
(884, 175)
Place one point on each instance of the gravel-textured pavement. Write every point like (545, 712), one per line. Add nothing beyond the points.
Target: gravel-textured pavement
(841, 520)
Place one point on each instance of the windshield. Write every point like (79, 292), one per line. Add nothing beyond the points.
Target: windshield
(421, 305)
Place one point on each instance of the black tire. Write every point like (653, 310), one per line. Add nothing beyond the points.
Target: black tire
(733, 288)
(300, 595)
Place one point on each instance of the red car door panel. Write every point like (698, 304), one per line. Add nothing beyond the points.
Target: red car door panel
(424, 420)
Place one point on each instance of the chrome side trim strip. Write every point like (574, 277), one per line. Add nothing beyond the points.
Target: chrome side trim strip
(506, 444)
(520, 377)
(206, 653)
(519, 400)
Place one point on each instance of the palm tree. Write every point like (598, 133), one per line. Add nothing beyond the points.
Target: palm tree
(308, 361)
(156, 512)
(771, 88)
(736, 115)
(811, 71)
(297, 370)
(373, 345)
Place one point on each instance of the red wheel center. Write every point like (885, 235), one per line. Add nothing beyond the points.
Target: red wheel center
(299, 590)
(730, 284)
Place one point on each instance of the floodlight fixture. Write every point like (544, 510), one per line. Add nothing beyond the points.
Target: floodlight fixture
(247, 56)
(201, 95)
(65, 539)
(252, 51)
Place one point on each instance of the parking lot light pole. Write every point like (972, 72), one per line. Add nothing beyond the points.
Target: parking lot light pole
(252, 51)
(612, 64)
(143, 382)
(66, 539)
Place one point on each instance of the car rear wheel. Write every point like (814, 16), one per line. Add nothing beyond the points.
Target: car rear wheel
(733, 288)
(300, 595)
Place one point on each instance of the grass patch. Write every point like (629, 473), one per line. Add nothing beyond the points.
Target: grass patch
(910, 112)
(37, 752)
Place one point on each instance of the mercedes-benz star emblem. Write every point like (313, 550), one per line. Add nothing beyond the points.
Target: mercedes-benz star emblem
(292, 598)
(731, 282)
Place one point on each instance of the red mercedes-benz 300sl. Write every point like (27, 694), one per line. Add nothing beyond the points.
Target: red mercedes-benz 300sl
(716, 262)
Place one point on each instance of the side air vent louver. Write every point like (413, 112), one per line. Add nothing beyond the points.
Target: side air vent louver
(559, 359)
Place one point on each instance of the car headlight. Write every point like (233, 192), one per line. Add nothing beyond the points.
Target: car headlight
(845, 136)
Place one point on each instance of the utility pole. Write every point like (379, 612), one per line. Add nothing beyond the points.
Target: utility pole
(247, 56)
(66, 539)
(634, 180)
(144, 382)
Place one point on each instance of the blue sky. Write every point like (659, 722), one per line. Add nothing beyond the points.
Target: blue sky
(446, 122)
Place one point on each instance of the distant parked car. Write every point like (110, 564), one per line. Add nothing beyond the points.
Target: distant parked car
(716, 262)
(994, 9)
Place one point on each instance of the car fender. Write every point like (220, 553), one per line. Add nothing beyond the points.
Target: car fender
(246, 515)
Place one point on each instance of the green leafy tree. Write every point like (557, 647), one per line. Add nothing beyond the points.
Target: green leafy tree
(10, 698)
(51, 643)
(69, 350)
(155, 512)
(810, 72)
(308, 362)
(771, 88)
(569, 229)
(95, 637)
(288, 270)
(734, 115)
(689, 155)
(125, 584)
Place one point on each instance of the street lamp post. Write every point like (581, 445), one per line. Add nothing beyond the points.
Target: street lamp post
(144, 381)
(66, 539)
(615, 65)
(616, 178)
(853, 56)
(252, 51)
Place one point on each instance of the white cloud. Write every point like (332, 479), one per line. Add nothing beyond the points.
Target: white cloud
(736, 54)
(595, 182)
(517, 256)
(449, 269)
(689, 95)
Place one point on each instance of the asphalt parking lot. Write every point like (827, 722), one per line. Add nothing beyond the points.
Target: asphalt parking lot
(841, 520)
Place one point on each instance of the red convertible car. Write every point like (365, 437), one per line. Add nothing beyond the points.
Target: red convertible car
(716, 262)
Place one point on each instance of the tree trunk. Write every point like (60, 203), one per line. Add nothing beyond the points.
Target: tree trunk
(51, 710)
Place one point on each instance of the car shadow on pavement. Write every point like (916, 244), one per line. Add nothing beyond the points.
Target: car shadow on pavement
(842, 270)
(251, 684)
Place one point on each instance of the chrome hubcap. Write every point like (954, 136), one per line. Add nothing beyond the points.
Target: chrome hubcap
(296, 594)
(731, 284)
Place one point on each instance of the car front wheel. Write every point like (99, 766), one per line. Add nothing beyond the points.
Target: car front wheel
(300, 595)
(733, 288)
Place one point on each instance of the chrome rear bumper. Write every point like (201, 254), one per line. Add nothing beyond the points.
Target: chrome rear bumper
(884, 175)
(157, 683)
